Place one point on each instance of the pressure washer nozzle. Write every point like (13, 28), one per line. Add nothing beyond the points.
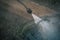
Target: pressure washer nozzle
(29, 10)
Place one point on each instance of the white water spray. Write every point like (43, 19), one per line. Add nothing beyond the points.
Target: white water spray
(40, 22)
(47, 28)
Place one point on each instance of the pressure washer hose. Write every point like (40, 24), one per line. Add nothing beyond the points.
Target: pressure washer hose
(28, 9)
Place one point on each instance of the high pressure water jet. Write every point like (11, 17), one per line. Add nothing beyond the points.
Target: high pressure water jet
(37, 19)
